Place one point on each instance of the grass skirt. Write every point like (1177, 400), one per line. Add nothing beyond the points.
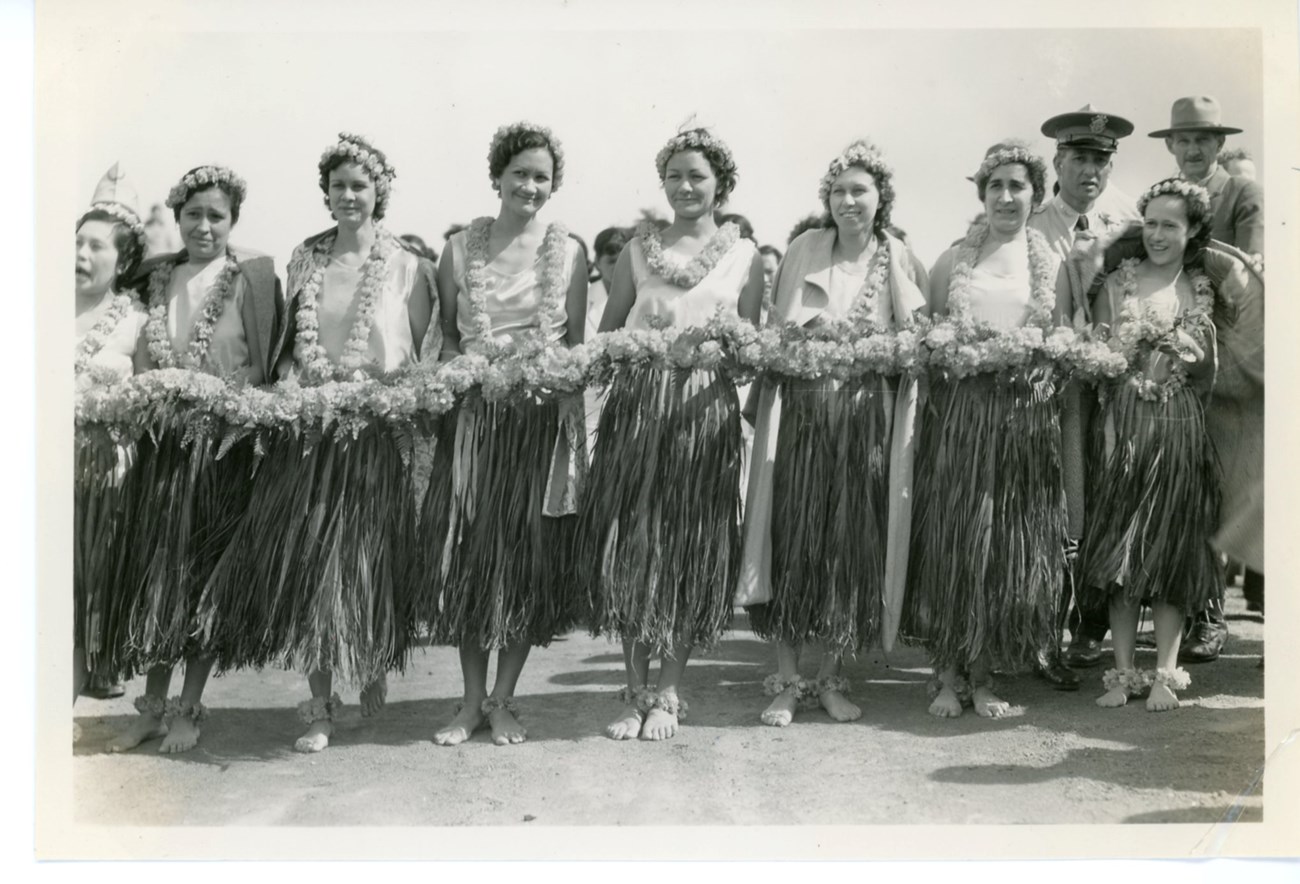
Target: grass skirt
(989, 527)
(319, 574)
(99, 528)
(659, 529)
(830, 514)
(182, 504)
(1156, 503)
(494, 570)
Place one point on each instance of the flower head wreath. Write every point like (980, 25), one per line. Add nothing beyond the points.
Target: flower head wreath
(201, 179)
(713, 148)
(864, 155)
(1012, 151)
(122, 213)
(356, 149)
(508, 141)
(1196, 197)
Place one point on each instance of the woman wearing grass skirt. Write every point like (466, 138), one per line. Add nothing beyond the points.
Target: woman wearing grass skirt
(819, 503)
(109, 323)
(659, 532)
(318, 576)
(217, 311)
(989, 524)
(498, 517)
(1156, 504)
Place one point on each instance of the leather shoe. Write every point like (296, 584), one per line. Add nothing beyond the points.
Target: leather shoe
(1050, 669)
(1083, 652)
(103, 689)
(1205, 642)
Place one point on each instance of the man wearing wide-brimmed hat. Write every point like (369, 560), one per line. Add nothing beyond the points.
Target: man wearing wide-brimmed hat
(1195, 136)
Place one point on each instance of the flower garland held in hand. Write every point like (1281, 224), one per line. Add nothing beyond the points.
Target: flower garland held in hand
(214, 303)
(308, 351)
(961, 346)
(1143, 330)
(686, 276)
(95, 339)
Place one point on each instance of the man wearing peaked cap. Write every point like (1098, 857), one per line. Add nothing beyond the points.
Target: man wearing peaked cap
(1195, 136)
(1078, 223)
(1086, 141)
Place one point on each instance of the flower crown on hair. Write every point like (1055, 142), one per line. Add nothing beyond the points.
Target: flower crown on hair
(203, 178)
(358, 150)
(700, 139)
(861, 153)
(1196, 197)
(123, 214)
(523, 127)
(1011, 152)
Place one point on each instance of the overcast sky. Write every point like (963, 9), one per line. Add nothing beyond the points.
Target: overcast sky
(163, 100)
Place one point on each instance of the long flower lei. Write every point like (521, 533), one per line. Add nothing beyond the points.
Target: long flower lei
(686, 276)
(95, 339)
(310, 355)
(1141, 331)
(861, 313)
(551, 280)
(1042, 287)
(160, 344)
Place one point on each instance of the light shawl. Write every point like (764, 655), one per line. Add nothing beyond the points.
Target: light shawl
(801, 294)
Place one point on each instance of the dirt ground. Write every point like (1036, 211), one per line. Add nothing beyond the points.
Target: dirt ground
(1061, 760)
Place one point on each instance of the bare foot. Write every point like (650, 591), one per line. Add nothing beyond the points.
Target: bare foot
(317, 737)
(946, 704)
(76, 732)
(182, 736)
(781, 711)
(462, 727)
(627, 726)
(373, 696)
(1162, 699)
(1113, 698)
(144, 727)
(988, 704)
(506, 728)
(838, 706)
(659, 725)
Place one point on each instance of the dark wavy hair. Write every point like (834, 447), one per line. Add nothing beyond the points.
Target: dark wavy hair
(1012, 152)
(332, 161)
(1197, 208)
(233, 193)
(510, 141)
(130, 250)
(715, 152)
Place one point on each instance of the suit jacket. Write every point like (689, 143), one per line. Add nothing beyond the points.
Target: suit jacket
(264, 316)
(1238, 206)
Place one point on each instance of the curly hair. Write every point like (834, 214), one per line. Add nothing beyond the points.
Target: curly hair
(512, 140)
(130, 248)
(713, 149)
(1013, 151)
(864, 155)
(202, 178)
(358, 150)
(1196, 205)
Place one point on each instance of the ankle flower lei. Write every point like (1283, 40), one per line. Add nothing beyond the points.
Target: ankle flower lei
(308, 352)
(319, 709)
(552, 280)
(686, 276)
(962, 346)
(94, 340)
(805, 691)
(214, 303)
(1131, 681)
(195, 712)
(1142, 331)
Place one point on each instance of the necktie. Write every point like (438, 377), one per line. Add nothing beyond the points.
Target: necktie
(1082, 223)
